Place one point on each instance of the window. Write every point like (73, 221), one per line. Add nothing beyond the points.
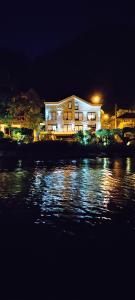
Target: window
(92, 127)
(52, 116)
(91, 116)
(52, 127)
(67, 116)
(67, 127)
(79, 116)
(70, 105)
(78, 127)
(76, 105)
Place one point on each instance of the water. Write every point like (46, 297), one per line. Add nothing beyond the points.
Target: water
(67, 223)
(70, 198)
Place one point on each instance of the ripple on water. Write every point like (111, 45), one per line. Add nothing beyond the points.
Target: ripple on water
(77, 191)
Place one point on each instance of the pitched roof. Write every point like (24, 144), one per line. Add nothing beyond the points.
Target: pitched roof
(69, 98)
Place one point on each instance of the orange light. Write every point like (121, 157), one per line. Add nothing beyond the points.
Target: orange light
(96, 99)
(106, 117)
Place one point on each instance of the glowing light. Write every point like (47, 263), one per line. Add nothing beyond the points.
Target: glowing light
(128, 143)
(106, 117)
(96, 99)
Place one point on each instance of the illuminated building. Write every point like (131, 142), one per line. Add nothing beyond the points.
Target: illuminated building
(125, 118)
(70, 115)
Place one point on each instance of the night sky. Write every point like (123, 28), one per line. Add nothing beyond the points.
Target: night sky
(70, 48)
(35, 29)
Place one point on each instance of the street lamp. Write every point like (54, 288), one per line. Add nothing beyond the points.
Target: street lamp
(96, 99)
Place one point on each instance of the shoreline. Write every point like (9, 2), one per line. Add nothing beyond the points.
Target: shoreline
(62, 150)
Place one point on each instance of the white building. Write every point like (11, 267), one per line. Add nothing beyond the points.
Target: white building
(70, 115)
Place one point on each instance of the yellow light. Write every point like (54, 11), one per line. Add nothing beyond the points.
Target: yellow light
(96, 99)
(106, 117)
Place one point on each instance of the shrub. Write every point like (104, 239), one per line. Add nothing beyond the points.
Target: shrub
(24, 135)
(84, 137)
(109, 136)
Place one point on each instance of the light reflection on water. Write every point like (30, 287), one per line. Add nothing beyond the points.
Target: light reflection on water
(88, 190)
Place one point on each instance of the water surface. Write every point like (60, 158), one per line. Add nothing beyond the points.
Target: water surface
(70, 197)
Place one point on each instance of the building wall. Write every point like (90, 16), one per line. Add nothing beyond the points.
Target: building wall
(71, 115)
(126, 123)
(122, 122)
(120, 112)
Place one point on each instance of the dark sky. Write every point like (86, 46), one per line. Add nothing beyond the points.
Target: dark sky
(42, 27)
(72, 47)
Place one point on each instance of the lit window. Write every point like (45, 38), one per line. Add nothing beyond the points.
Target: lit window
(52, 127)
(91, 116)
(76, 105)
(67, 116)
(78, 127)
(67, 127)
(92, 127)
(70, 105)
(79, 116)
(52, 116)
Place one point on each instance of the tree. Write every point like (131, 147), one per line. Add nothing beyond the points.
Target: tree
(25, 109)
(5, 97)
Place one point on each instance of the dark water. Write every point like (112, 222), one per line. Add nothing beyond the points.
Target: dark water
(69, 197)
(67, 225)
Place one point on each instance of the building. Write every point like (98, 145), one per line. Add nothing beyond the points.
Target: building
(124, 118)
(70, 115)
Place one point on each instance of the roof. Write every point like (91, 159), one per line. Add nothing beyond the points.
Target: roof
(127, 115)
(69, 98)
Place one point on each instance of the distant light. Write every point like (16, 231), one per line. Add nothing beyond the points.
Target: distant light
(106, 117)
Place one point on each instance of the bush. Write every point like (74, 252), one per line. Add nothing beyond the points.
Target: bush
(85, 137)
(109, 136)
(24, 135)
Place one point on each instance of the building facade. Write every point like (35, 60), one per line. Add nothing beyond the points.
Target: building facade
(71, 115)
(124, 118)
